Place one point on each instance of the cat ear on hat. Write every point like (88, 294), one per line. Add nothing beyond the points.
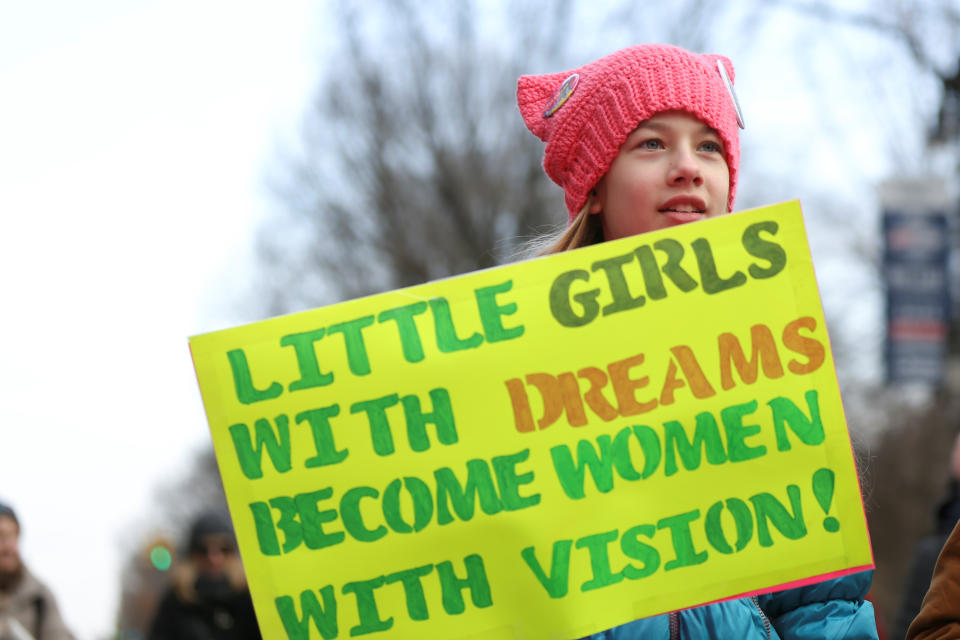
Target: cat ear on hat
(725, 61)
(535, 97)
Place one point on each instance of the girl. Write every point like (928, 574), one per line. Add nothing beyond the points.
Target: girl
(644, 139)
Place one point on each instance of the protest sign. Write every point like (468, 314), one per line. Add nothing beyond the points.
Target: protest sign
(544, 449)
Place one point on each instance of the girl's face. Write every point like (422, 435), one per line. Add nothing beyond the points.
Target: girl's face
(671, 170)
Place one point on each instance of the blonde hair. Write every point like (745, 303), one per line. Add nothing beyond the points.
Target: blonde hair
(585, 230)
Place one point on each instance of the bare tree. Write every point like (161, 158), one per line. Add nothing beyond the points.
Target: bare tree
(415, 166)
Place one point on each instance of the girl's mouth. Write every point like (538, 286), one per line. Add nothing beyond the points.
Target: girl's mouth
(681, 210)
(684, 208)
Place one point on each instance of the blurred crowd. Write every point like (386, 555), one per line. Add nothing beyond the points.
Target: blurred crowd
(205, 597)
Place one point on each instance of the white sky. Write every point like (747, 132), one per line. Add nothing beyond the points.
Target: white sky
(135, 137)
(134, 140)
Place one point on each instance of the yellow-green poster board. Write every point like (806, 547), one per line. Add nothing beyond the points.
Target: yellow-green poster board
(545, 449)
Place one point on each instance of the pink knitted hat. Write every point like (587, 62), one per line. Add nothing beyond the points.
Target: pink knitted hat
(585, 115)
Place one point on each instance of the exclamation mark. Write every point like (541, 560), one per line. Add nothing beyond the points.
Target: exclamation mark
(823, 490)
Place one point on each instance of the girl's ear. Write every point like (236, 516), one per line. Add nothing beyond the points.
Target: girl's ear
(594, 201)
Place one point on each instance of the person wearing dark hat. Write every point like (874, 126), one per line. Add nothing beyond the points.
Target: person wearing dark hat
(28, 609)
(208, 598)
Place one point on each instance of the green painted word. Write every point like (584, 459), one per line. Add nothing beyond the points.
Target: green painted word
(326, 617)
(635, 453)
(447, 339)
(575, 308)
(644, 543)
(495, 485)
(275, 438)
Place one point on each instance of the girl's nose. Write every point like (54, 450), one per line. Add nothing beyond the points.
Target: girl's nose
(685, 168)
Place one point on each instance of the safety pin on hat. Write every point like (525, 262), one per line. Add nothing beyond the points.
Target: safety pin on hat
(733, 94)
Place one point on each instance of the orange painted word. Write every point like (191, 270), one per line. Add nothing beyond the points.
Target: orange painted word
(562, 394)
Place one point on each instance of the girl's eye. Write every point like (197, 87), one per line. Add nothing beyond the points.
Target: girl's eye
(651, 143)
(712, 147)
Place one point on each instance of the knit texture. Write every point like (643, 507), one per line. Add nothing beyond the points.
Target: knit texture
(613, 96)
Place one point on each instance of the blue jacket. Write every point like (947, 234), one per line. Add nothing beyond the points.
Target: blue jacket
(828, 610)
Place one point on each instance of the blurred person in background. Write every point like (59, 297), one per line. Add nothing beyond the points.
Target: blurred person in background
(208, 598)
(929, 547)
(28, 609)
(939, 616)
